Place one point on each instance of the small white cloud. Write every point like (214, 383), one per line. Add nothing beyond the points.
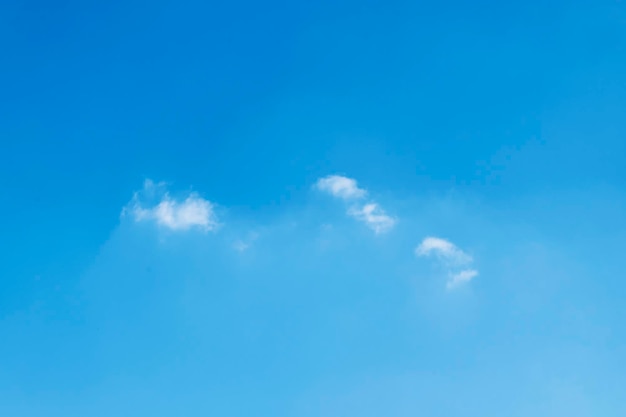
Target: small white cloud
(461, 277)
(347, 189)
(451, 257)
(444, 250)
(374, 217)
(192, 212)
(340, 187)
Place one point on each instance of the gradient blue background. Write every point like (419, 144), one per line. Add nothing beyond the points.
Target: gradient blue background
(501, 126)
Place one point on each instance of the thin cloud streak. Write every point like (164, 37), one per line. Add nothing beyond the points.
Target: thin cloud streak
(460, 278)
(347, 189)
(374, 217)
(444, 250)
(453, 259)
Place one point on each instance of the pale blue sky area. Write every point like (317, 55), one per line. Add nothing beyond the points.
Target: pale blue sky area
(298, 209)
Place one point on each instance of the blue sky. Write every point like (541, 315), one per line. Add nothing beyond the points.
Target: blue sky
(332, 208)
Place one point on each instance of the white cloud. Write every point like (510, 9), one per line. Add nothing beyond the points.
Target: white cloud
(340, 187)
(444, 250)
(451, 257)
(374, 217)
(347, 189)
(192, 212)
(461, 277)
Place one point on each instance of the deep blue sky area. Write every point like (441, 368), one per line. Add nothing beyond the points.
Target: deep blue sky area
(329, 208)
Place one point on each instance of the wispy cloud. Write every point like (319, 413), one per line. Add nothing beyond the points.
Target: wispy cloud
(340, 187)
(347, 189)
(451, 257)
(460, 277)
(153, 203)
(374, 217)
(443, 249)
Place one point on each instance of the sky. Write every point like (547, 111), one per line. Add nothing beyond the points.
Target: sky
(331, 208)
